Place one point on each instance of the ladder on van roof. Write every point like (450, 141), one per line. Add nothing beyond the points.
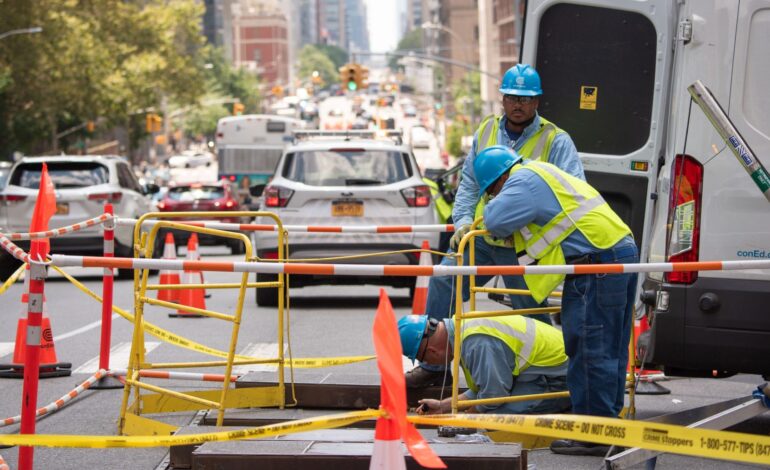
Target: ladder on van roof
(397, 136)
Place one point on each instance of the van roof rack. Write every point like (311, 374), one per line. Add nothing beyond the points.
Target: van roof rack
(397, 136)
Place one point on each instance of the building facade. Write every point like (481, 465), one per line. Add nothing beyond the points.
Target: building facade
(500, 29)
(261, 44)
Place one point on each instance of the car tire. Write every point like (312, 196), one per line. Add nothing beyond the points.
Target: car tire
(267, 296)
(8, 266)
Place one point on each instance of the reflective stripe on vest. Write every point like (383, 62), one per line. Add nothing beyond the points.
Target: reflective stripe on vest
(582, 208)
(532, 342)
(537, 147)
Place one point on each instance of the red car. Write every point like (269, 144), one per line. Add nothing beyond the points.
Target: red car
(218, 196)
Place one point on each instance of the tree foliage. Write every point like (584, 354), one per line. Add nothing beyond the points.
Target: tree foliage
(466, 94)
(412, 41)
(336, 54)
(312, 58)
(107, 59)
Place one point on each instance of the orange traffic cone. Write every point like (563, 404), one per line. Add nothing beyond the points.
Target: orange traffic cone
(420, 300)
(646, 384)
(192, 297)
(194, 237)
(49, 364)
(169, 277)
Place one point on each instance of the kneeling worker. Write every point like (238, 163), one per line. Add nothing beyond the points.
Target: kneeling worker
(557, 219)
(500, 356)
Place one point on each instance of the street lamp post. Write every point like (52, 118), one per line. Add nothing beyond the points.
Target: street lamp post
(13, 32)
(467, 52)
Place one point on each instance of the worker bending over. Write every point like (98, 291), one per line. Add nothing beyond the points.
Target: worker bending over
(500, 356)
(558, 219)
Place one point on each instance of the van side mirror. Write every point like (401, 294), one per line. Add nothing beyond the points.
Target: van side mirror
(257, 190)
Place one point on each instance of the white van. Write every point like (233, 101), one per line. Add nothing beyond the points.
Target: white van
(615, 75)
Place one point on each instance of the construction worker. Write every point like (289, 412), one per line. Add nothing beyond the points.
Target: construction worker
(533, 137)
(558, 219)
(500, 356)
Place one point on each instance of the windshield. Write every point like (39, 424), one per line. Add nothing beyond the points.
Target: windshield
(347, 167)
(63, 174)
(185, 193)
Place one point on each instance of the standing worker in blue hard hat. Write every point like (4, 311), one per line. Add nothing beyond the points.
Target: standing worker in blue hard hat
(521, 128)
(501, 357)
(558, 219)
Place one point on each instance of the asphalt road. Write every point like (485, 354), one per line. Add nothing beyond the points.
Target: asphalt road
(323, 322)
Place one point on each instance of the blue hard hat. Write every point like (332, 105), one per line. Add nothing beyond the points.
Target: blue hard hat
(411, 329)
(521, 80)
(491, 163)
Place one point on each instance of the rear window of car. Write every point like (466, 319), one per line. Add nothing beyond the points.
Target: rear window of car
(186, 193)
(63, 174)
(347, 167)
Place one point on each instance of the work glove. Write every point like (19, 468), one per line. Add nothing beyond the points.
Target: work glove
(459, 234)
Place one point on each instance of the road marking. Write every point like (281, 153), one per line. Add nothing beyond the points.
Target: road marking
(6, 348)
(260, 350)
(82, 329)
(119, 355)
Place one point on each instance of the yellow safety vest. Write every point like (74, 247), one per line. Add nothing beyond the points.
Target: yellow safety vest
(582, 208)
(443, 208)
(533, 342)
(537, 147)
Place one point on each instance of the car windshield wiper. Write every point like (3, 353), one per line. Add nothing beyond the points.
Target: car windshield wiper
(360, 181)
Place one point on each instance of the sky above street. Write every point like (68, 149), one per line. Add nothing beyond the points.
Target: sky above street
(384, 30)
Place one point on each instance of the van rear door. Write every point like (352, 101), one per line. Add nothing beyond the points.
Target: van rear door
(604, 66)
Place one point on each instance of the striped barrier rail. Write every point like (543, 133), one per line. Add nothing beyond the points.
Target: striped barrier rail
(57, 232)
(399, 270)
(304, 228)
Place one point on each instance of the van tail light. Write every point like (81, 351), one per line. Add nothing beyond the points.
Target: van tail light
(276, 196)
(684, 215)
(106, 197)
(417, 196)
(12, 198)
(270, 255)
(229, 204)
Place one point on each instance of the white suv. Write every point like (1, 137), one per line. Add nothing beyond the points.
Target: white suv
(348, 179)
(83, 185)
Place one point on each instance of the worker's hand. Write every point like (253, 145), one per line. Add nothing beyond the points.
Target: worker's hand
(459, 234)
(429, 406)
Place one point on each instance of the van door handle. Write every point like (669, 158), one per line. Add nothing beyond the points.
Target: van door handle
(346, 194)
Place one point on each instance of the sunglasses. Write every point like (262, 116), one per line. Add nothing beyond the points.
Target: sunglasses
(429, 331)
(518, 99)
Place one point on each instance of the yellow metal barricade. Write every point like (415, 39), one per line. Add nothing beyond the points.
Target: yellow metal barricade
(164, 400)
(460, 315)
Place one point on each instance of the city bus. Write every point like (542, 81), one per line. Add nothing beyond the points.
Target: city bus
(249, 146)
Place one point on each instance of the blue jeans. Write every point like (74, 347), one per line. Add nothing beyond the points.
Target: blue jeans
(596, 323)
(538, 380)
(441, 289)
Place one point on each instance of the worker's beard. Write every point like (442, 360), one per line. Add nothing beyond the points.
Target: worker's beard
(525, 123)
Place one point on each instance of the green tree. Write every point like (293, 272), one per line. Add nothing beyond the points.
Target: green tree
(311, 58)
(109, 59)
(457, 129)
(466, 94)
(410, 42)
(337, 55)
(223, 81)
(202, 120)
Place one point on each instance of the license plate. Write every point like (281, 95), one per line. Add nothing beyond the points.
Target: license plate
(348, 209)
(62, 208)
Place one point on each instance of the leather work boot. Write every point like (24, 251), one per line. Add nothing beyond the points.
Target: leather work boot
(422, 378)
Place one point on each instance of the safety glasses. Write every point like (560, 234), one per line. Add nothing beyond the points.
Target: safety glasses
(429, 331)
(513, 99)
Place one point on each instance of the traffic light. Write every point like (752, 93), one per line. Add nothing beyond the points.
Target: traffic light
(362, 77)
(154, 123)
(238, 109)
(277, 91)
(90, 126)
(349, 74)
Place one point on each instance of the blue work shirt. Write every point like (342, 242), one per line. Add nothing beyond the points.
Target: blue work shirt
(526, 198)
(563, 154)
(490, 363)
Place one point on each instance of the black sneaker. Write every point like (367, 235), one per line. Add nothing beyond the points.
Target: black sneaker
(572, 447)
(422, 378)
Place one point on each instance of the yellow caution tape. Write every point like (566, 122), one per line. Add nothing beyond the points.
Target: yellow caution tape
(102, 442)
(695, 442)
(182, 342)
(12, 280)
